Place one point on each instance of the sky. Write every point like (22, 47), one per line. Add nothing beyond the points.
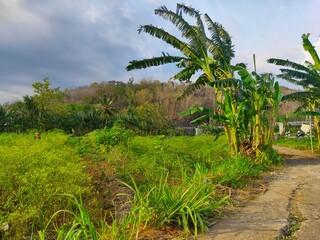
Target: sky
(78, 42)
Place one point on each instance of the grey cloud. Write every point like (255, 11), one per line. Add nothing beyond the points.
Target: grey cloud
(78, 42)
(75, 50)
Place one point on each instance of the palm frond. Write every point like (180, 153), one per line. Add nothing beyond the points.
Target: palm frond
(152, 62)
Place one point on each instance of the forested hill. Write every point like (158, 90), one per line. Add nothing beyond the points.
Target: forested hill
(128, 94)
(125, 95)
(146, 107)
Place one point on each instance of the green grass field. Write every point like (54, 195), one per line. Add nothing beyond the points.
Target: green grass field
(167, 181)
(298, 143)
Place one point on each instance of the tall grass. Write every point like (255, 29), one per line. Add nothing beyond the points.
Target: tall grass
(81, 226)
(188, 204)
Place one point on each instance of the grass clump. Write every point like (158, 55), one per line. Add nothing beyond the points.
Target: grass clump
(81, 226)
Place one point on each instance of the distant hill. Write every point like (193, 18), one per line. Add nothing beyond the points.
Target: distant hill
(134, 94)
(288, 107)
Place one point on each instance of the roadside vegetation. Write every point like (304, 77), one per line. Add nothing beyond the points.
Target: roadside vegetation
(298, 143)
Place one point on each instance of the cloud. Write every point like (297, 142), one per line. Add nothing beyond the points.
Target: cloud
(78, 42)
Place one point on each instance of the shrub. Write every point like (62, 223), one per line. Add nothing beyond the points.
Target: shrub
(113, 136)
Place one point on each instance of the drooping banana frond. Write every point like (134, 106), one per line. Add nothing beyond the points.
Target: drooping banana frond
(307, 46)
(300, 96)
(221, 45)
(226, 83)
(287, 63)
(300, 78)
(192, 111)
(185, 74)
(190, 32)
(200, 27)
(200, 82)
(207, 113)
(152, 62)
(200, 119)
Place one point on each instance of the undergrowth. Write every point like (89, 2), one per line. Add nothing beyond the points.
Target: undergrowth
(170, 181)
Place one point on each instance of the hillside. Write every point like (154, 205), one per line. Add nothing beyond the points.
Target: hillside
(124, 95)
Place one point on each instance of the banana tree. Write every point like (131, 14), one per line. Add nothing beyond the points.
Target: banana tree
(274, 98)
(231, 116)
(308, 77)
(211, 56)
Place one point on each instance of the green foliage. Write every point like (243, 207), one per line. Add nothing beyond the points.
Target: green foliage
(173, 182)
(113, 136)
(147, 119)
(234, 171)
(188, 204)
(81, 226)
(32, 172)
(298, 143)
(306, 76)
(210, 54)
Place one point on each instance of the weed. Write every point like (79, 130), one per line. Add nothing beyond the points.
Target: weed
(81, 226)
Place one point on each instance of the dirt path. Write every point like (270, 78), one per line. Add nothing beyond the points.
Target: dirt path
(290, 206)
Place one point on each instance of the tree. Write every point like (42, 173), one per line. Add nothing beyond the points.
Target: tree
(31, 111)
(50, 104)
(4, 119)
(105, 108)
(239, 102)
(308, 77)
(210, 55)
(148, 119)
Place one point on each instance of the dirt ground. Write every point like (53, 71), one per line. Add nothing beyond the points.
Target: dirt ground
(287, 207)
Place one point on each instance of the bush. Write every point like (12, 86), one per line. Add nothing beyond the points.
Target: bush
(234, 171)
(113, 136)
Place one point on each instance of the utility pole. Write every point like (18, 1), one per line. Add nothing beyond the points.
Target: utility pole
(310, 124)
(254, 63)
